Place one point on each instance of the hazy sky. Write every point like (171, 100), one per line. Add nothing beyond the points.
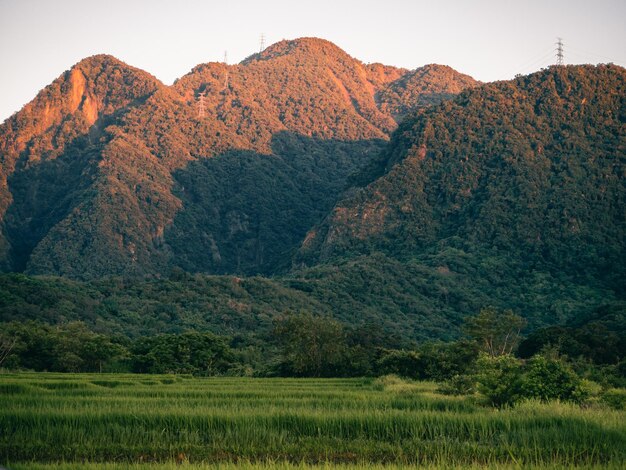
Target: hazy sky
(488, 39)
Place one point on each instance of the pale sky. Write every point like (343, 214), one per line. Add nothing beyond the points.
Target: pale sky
(487, 39)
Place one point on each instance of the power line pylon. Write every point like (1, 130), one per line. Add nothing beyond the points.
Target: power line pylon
(201, 104)
(559, 51)
(226, 70)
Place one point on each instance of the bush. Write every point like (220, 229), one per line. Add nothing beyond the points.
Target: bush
(551, 379)
(505, 380)
(615, 398)
(459, 385)
(499, 379)
(400, 362)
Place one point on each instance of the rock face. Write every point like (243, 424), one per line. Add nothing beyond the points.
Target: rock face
(109, 172)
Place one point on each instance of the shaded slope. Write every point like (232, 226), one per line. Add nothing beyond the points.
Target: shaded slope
(246, 212)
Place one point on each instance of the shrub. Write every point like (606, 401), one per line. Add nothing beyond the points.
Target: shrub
(400, 362)
(461, 384)
(551, 379)
(505, 380)
(615, 398)
(499, 379)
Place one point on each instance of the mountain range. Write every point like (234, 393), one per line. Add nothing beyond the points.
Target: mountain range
(406, 197)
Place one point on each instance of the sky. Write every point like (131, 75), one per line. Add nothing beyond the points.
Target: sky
(487, 39)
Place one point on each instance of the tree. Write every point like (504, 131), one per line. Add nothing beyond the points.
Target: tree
(311, 346)
(400, 362)
(78, 349)
(551, 379)
(506, 380)
(496, 333)
(191, 352)
(498, 378)
(70, 347)
(7, 344)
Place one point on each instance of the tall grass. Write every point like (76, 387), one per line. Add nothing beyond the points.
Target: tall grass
(134, 419)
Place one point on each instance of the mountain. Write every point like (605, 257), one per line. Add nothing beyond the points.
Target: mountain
(509, 194)
(515, 189)
(425, 86)
(110, 172)
(47, 150)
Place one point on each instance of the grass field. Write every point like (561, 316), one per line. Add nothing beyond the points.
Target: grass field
(139, 421)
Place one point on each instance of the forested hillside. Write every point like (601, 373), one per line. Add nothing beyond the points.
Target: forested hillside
(160, 207)
(522, 180)
(109, 172)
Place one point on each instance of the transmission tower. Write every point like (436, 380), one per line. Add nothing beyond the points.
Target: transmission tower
(201, 108)
(262, 42)
(559, 51)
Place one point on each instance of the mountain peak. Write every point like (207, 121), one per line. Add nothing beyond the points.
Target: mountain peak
(98, 64)
(306, 47)
(100, 60)
(93, 87)
(424, 86)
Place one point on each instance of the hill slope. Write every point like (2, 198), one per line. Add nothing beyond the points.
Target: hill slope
(519, 185)
(47, 150)
(108, 172)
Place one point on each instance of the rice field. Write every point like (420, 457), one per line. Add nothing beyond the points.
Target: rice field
(99, 421)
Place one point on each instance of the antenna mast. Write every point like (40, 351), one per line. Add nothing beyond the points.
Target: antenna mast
(559, 51)
(262, 43)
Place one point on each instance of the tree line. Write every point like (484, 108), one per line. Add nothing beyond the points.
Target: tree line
(492, 356)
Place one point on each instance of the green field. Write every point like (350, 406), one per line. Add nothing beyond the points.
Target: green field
(141, 421)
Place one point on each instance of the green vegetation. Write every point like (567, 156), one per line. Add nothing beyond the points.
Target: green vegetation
(505, 380)
(530, 169)
(425, 86)
(246, 212)
(409, 301)
(510, 196)
(304, 345)
(512, 190)
(159, 418)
